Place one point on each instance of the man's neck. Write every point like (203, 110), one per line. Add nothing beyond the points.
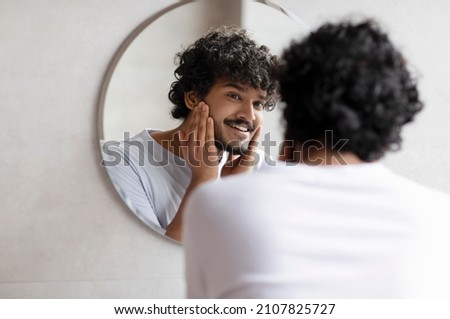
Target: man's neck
(330, 159)
(319, 157)
(168, 140)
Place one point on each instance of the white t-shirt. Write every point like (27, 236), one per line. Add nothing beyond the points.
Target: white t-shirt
(150, 179)
(355, 231)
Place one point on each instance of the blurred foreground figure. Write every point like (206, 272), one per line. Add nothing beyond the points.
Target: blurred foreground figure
(329, 221)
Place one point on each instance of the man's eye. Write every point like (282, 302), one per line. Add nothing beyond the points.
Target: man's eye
(259, 105)
(234, 96)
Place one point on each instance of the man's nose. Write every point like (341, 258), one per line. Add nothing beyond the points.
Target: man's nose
(247, 111)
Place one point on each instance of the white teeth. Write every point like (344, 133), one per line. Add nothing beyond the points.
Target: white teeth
(240, 127)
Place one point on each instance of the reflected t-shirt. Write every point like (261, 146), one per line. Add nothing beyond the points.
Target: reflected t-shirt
(150, 179)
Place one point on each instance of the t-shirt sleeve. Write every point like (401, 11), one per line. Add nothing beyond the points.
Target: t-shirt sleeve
(125, 177)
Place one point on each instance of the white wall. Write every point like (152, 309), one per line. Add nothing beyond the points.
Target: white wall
(63, 230)
(421, 29)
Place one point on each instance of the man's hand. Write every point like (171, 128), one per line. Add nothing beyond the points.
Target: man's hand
(198, 145)
(246, 162)
(199, 151)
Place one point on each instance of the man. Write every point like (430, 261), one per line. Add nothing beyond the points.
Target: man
(224, 83)
(330, 221)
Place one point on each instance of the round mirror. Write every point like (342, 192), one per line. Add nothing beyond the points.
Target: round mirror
(134, 95)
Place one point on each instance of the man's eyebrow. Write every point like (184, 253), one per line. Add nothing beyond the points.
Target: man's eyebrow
(240, 88)
(235, 86)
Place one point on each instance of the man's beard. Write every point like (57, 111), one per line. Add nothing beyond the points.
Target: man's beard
(234, 147)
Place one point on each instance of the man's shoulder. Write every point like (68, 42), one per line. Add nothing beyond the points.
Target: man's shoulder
(418, 192)
(138, 140)
(242, 184)
(141, 154)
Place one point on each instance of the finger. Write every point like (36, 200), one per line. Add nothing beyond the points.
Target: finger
(210, 142)
(250, 156)
(209, 138)
(209, 127)
(257, 134)
(202, 124)
(190, 118)
(193, 124)
(252, 146)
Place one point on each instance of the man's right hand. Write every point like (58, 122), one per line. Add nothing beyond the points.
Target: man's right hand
(201, 154)
(198, 145)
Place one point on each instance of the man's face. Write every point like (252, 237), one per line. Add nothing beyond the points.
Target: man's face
(237, 111)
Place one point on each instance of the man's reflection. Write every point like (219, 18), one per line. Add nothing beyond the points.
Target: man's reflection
(224, 83)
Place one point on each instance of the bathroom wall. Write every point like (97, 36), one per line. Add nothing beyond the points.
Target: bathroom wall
(421, 30)
(64, 233)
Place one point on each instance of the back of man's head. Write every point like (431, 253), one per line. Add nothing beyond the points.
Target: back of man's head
(349, 79)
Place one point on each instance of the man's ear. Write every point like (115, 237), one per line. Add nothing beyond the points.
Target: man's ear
(190, 99)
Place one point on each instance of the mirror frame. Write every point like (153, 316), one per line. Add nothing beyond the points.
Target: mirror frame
(118, 55)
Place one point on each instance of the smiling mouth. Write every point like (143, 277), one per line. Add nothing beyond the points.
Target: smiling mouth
(240, 127)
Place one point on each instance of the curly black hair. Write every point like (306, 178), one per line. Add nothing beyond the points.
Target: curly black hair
(224, 53)
(350, 79)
